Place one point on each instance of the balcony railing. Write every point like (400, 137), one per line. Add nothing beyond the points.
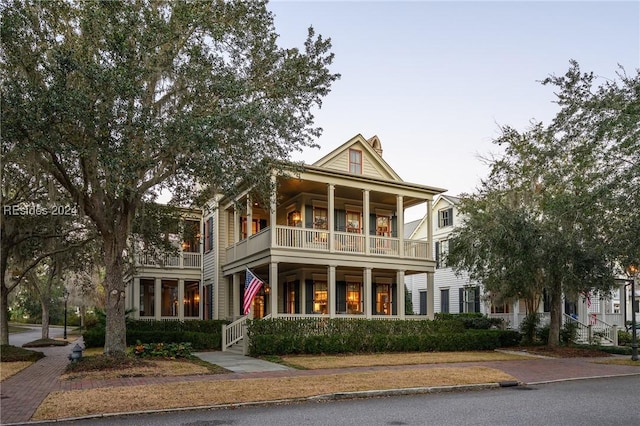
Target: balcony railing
(182, 260)
(318, 240)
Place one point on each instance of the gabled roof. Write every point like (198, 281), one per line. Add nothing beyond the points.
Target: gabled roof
(372, 150)
(410, 227)
(448, 199)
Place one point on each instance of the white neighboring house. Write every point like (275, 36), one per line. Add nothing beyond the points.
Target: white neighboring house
(453, 293)
(458, 293)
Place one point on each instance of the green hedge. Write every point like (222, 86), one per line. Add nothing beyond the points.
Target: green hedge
(332, 336)
(201, 334)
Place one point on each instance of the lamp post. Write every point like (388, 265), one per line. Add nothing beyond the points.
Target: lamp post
(633, 273)
(65, 296)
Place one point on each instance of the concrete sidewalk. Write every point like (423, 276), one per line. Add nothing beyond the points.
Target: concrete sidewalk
(24, 392)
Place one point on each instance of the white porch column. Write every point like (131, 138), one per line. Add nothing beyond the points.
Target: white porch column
(272, 210)
(365, 218)
(400, 224)
(136, 297)
(430, 296)
(235, 226)
(331, 287)
(430, 235)
(331, 189)
(368, 293)
(273, 293)
(157, 298)
(400, 290)
(249, 225)
(235, 300)
(181, 299)
(516, 314)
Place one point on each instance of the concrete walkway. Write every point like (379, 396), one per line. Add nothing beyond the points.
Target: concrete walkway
(24, 392)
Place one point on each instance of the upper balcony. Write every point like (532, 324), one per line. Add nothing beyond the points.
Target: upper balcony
(182, 260)
(323, 241)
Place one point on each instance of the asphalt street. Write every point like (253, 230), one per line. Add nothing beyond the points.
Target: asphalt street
(608, 402)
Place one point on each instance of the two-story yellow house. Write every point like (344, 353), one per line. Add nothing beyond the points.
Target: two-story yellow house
(330, 242)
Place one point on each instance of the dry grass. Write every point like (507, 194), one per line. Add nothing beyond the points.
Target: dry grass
(8, 369)
(64, 404)
(311, 362)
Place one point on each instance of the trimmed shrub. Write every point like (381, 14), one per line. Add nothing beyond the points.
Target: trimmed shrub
(332, 336)
(200, 334)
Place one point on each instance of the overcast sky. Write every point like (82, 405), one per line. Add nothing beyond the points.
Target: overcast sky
(435, 79)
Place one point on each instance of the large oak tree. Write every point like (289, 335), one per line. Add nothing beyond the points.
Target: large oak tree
(559, 210)
(120, 100)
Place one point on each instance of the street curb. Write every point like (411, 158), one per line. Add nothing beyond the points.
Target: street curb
(325, 397)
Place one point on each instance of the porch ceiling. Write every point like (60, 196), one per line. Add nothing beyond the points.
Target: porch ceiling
(289, 188)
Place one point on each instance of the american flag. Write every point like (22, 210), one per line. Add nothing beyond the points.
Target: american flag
(252, 285)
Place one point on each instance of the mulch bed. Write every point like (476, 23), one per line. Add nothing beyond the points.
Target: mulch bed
(564, 351)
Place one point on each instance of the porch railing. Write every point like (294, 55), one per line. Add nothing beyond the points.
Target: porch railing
(181, 260)
(233, 333)
(595, 331)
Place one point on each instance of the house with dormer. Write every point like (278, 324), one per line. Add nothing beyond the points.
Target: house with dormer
(330, 243)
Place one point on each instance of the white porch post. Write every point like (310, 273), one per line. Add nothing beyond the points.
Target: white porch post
(272, 210)
(400, 290)
(235, 302)
(400, 220)
(331, 287)
(181, 299)
(366, 213)
(430, 296)
(430, 243)
(516, 314)
(249, 225)
(157, 298)
(368, 295)
(273, 293)
(235, 227)
(136, 297)
(330, 212)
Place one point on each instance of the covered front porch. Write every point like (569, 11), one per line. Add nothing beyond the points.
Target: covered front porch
(301, 291)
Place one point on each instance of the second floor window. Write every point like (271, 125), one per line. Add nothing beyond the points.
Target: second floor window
(445, 217)
(383, 226)
(320, 218)
(355, 161)
(353, 222)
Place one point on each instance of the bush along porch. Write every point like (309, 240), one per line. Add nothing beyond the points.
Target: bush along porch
(345, 335)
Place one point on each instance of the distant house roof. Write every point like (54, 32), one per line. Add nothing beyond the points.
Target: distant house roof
(410, 227)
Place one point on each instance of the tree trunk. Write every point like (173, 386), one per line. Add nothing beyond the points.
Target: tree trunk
(115, 340)
(556, 315)
(45, 317)
(4, 313)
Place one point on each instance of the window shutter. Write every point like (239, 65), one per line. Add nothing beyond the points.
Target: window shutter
(423, 302)
(373, 299)
(210, 234)
(394, 299)
(476, 299)
(341, 297)
(263, 224)
(394, 226)
(437, 254)
(308, 216)
(296, 289)
(372, 224)
(451, 216)
(308, 296)
(461, 300)
(340, 220)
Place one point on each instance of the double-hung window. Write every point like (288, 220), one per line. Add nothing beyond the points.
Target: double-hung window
(355, 161)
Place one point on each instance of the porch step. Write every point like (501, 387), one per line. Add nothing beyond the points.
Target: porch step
(236, 348)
